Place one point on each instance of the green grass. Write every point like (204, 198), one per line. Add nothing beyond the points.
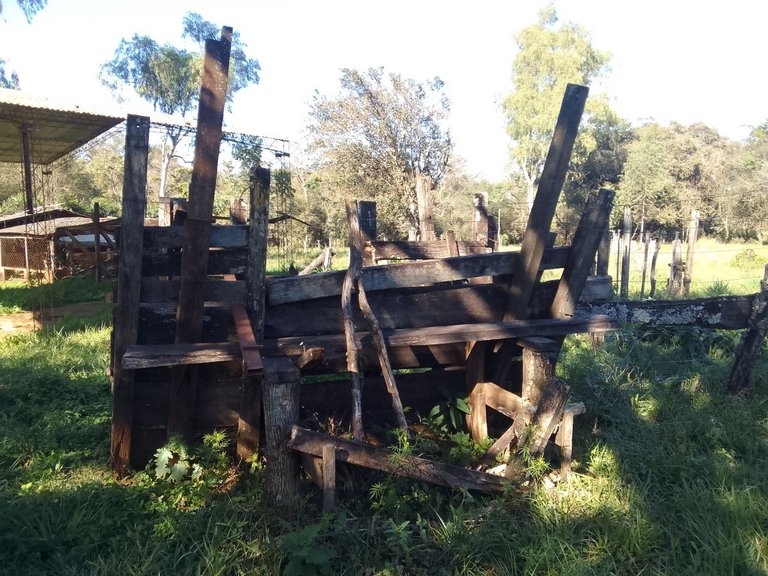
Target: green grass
(20, 296)
(669, 479)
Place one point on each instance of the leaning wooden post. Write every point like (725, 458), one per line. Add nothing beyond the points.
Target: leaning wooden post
(693, 232)
(96, 242)
(126, 312)
(626, 241)
(281, 412)
(537, 233)
(197, 228)
(751, 340)
(249, 418)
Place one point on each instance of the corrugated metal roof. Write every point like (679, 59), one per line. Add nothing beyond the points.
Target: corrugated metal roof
(54, 130)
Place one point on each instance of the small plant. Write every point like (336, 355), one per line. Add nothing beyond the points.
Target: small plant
(305, 556)
(745, 259)
(447, 416)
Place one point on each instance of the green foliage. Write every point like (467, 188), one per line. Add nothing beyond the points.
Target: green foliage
(304, 555)
(17, 296)
(448, 416)
(746, 259)
(550, 55)
(377, 136)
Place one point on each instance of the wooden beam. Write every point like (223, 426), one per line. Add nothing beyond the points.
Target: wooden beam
(310, 442)
(157, 355)
(126, 313)
(406, 275)
(543, 210)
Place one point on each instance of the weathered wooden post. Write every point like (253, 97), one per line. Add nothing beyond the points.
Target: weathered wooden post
(603, 253)
(693, 232)
(751, 340)
(96, 242)
(626, 241)
(126, 312)
(480, 226)
(424, 201)
(654, 258)
(281, 386)
(646, 246)
(249, 418)
(366, 216)
(676, 269)
(197, 228)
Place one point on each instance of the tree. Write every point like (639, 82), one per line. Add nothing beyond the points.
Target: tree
(550, 56)
(168, 77)
(29, 8)
(377, 137)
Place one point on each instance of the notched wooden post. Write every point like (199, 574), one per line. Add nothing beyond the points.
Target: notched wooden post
(751, 340)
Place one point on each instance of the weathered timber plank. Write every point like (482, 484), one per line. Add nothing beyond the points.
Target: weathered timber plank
(405, 308)
(153, 356)
(164, 237)
(391, 250)
(406, 275)
(729, 312)
(310, 442)
(157, 290)
(219, 261)
(435, 335)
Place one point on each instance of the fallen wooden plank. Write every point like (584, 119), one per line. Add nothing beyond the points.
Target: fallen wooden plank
(405, 275)
(310, 442)
(153, 356)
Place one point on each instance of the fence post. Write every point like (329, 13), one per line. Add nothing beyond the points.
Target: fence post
(366, 215)
(676, 270)
(603, 253)
(626, 241)
(96, 242)
(693, 232)
(480, 227)
(656, 248)
(645, 263)
(751, 340)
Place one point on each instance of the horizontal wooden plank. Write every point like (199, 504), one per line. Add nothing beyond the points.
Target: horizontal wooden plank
(728, 312)
(439, 335)
(405, 275)
(220, 261)
(157, 290)
(157, 322)
(153, 356)
(164, 237)
(310, 442)
(391, 250)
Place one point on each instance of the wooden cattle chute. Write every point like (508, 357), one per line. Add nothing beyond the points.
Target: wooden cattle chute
(479, 321)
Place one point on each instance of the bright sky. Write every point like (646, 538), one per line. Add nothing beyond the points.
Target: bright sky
(672, 60)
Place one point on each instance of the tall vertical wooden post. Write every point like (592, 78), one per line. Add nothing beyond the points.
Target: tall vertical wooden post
(194, 261)
(366, 215)
(126, 313)
(627, 242)
(603, 253)
(249, 418)
(96, 242)
(29, 205)
(676, 270)
(646, 246)
(693, 232)
(424, 202)
(654, 258)
(480, 225)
